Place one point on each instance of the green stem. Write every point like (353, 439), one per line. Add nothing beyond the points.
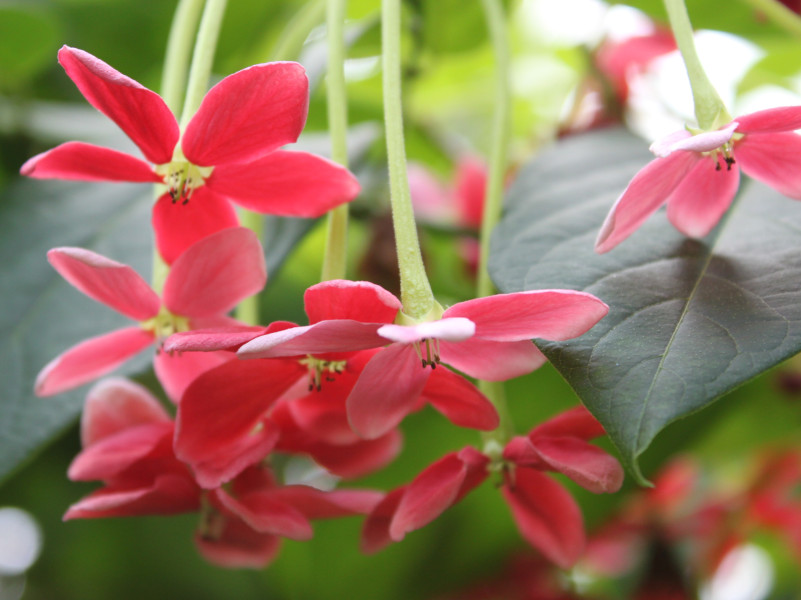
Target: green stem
(336, 251)
(247, 311)
(293, 36)
(710, 112)
(416, 295)
(779, 14)
(496, 440)
(202, 58)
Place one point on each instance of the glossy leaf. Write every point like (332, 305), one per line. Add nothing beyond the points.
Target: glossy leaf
(689, 320)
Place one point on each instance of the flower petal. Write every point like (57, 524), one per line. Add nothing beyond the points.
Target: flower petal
(139, 112)
(460, 401)
(701, 142)
(178, 226)
(248, 114)
(317, 504)
(176, 372)
(87, 162)
(549, 314)
(471, 183)
(772, 120)
(114, 284)
(455, 329)
(266, 514)
(386, 391)
(209, 340)
(320, 338)
(646, 192)
(352, 300)
(699, 201)
(375, 532)
(492, 361)
(546, 515)
(238, 546)
(91, 359)
(576, 422)
(774, 159)
(215, 274)
(294, 184)
(359, 459)
(115, 404)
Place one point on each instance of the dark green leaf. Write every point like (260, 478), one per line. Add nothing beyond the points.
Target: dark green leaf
(689, 320)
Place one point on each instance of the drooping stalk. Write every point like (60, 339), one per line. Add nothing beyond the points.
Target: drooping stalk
(416, 295)
(335, 257)
(779, 14)
(710, 112)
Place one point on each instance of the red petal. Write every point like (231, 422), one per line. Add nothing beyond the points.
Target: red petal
(239, 547)
(471, 184)
(115, 404)
(492, 361)
(91, 359)
(321, 413)
(317, 504)
(295, 184)
(107, 281)
(773, 159)
(248, 114)
(178, 226)
(359, 459)
(215, 274)
(140, 113)
(549, 314)
(783, 118)
(86, 162)
(546, 515)
(460, 401)
(176, 372)
(266, 514)
(646, 192)
(350, 300)
(386, 391)
(576, 422)
(701, 199)
(375, 533)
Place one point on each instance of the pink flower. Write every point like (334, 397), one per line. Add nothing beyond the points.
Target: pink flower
(204, 283)
(228, 151)
(545, 513)
(698, 175)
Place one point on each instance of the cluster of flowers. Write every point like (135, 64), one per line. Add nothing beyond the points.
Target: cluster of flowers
(334, 391)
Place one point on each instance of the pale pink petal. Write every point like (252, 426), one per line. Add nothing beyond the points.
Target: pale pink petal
(248, 114)
(546, 515)
(774, 159)
(663, 146)
(492, 361)
(107, 281)
(115, 404)
(320, 338)
(471, 184)
(266, 514)
(701, 142)
(646, 192)
(460, 401)
(549, 314)
(295, 184)
(772, 120)
(351, 300)
(577, 422)
(140, 113)
(238, 546)
(91, 359)
(86, 162)
(213, 275)
(210, 340)
(176, 372)
(178, 226)
(431, 201)
(386, 391)
(375, 532)
(703, 196)
(450, 329)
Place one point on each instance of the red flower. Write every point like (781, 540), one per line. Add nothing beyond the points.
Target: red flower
(204, 283)
(228, 151)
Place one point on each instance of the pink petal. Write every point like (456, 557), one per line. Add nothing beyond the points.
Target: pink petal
(471, 183)
(548, 314)
(238, 546)
(460, 401)
(107, 281)
(546, 515)
(209, 340)
(699, 201)
(375, 532)
(320, 338)
(213, 275)
(772, 120)
(91, 359)
(351, 300)
(436, 489)
(701, 142)
(176, 372)
(452, 330)
(295, 184)
(774, 159)
(321, 413)
(265, 514)
(431, 201)
(178, 226)
(115, 404)
(386, 391)
(492, 361)
(248, 114)
(646, 192)
(317, 504)
(86, 162)
(140, 113)
(357, 460)
(221, 426)
(576, 422)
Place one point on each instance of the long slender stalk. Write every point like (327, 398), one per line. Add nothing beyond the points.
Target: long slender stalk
(416, 295)
(294, 35)
(779, 14)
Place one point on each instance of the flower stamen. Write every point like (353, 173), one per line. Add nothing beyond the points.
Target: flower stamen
(320, 369)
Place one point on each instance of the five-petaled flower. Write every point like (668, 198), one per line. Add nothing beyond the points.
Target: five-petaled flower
(698, 175)
(228, 150)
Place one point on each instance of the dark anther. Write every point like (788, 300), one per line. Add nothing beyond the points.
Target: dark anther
(185, 202)
(311, 386)
(729, 162)
(717, 166)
